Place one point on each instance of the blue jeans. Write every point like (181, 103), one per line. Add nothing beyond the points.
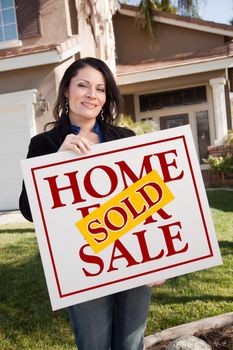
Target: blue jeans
(115, 322)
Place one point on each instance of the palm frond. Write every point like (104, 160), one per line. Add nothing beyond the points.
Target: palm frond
(189, 8)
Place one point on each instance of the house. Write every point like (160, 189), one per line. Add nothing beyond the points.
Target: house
(38, 41)
(184, 78)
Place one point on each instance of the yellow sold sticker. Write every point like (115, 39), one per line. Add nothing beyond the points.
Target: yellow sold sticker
(124, 211)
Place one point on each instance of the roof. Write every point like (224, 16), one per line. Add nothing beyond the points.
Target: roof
(183, 21)
(225, 51)
(36, 55)
(25, 50)
(181, 64)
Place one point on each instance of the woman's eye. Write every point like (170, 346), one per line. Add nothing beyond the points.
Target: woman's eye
(82, 85)
(101, 89)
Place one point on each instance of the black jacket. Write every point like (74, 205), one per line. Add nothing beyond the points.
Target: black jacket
(50, 141)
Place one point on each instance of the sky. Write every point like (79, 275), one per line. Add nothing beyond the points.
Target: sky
(220, 11)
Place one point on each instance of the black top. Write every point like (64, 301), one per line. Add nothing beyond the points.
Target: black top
(50, 141)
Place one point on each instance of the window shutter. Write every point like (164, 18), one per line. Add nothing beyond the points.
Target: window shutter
(27, 12)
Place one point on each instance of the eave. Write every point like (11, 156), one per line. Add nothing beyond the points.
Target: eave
(139, 75)
(38, 55)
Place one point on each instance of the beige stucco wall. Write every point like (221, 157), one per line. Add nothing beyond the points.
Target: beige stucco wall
(133, 45)
(45, 79)
(40, 78)
(29, 78)
(87, 41)
(171, 83)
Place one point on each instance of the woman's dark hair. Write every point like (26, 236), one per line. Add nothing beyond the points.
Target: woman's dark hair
(111, 108)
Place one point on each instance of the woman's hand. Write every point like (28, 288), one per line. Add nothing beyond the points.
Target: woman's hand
(76, 143)
(157, 283)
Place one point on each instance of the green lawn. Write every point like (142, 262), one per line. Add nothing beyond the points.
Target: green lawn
(26, 319)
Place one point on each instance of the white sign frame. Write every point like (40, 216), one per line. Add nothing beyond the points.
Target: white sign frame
(58, 238)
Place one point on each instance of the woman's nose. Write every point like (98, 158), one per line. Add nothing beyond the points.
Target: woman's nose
(91, 93)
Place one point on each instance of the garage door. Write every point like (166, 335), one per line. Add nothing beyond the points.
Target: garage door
(17, 126)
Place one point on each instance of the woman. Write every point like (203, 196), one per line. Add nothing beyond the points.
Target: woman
(88, 100)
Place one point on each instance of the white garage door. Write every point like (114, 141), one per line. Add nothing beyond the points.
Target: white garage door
(17, 126)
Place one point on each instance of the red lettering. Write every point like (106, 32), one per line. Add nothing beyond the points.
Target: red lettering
(125, 170)
(169, 238)
(143, 245)
(156, 186)
(111, 176)
(120, 211)
(86, 210)
(55, 191)
(165, 166)
(124, 254)
(162, 213)
(91, 259)
(97, 230)
(131, 208)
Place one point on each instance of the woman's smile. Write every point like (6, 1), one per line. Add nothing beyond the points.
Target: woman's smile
(86, 95)
(89, 105)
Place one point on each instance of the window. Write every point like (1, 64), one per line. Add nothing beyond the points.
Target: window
(173, 121)
(173, 98)
(203, 134)
(8, 24)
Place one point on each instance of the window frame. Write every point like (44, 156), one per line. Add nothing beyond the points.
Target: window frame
(11, 42)
(170, 96)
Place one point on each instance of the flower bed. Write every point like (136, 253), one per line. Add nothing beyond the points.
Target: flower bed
(220, 161)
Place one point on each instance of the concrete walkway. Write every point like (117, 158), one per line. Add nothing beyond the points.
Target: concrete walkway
(9, 217)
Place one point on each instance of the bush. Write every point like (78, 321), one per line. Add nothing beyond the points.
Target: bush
(141, 127)
(229, 139)
(219, 165)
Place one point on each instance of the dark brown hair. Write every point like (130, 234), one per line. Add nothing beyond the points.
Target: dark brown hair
(111, 108)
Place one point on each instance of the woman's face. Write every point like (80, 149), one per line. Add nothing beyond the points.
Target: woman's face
(86, 94)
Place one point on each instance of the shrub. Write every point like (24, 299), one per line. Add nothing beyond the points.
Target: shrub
(229, 139)
(219, 165)
(141, 127)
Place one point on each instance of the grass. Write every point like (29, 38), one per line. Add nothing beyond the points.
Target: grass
(201, 294)
(26, 319)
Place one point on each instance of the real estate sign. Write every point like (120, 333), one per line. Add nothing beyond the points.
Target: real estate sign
(129, 212)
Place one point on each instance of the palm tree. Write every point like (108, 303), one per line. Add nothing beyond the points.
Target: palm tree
(147, 9)
(188, 7)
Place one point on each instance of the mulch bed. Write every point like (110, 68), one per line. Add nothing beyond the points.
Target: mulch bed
(218, 339)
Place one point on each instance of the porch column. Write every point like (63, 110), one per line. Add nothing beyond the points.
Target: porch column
(220, 112)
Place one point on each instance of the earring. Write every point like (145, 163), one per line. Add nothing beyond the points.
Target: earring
(67, 108)
(102, 114)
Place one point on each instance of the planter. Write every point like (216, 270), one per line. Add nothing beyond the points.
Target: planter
(228, 180)
(218, 151)
(190, 328)
(221, 180)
